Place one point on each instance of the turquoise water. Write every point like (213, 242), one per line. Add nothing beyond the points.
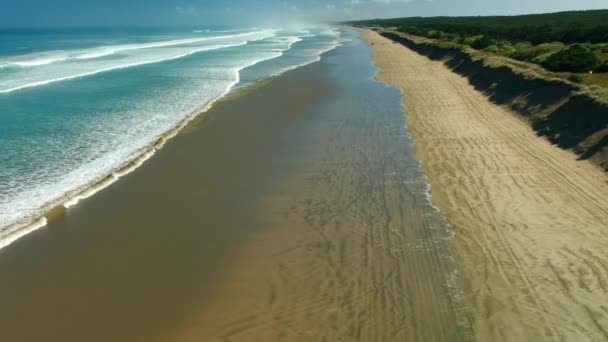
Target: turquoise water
(75, 106)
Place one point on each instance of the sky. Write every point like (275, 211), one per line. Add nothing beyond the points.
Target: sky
(53, 13)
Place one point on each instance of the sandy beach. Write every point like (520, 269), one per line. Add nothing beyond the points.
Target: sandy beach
(295, 212)
(530, 220)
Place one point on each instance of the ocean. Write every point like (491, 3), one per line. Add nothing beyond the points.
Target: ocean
(295, 213)
(80, 108)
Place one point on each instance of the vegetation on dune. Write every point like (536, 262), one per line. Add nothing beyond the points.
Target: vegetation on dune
(576, 58)
(566, 27)
(569, 109)
(551, 68)
(574, 41)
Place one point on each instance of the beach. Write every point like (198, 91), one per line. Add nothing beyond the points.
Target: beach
(291, 211)
(530, 220)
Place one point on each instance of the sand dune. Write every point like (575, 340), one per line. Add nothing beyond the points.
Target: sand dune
(531, 221)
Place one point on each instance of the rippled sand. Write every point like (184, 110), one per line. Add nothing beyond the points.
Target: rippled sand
(531, 221)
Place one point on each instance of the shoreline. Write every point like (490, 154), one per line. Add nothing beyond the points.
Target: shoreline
(523, 211)
(48, 211)
(296, 213)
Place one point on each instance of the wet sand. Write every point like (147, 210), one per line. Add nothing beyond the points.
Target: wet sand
(531, 221)
(293, 213)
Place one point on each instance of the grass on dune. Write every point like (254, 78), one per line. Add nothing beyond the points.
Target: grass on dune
(569, 45)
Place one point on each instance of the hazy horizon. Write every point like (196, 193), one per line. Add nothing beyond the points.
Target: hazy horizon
(115, 13)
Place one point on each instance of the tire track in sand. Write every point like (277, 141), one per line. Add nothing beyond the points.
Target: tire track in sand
(530, 220)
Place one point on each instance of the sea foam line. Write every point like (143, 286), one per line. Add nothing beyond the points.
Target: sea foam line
(117, 67)
(317, 58)
(37, 62)
(46, 58)
(13, 233)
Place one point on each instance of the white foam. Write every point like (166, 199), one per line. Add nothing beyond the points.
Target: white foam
(334, 32)
(116, 67)
(136, 163)
(317, 58)
(96, 54)
(49, 57)
(111, 179)
(236, 30)
(104, 179)
(90, 191)
(10, 235)
(178, 42)
(132, 55)
(38, 62)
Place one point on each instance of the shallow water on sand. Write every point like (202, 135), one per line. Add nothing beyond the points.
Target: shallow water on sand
(296, 213)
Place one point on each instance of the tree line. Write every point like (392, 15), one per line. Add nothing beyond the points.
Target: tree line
(575, 41)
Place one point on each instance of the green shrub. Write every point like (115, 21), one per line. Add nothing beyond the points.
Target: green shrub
(548, 47)
(522, 51)
(576, 58)
(540, 59)
(435, 34)
(576, 78)
(470, 40)
(506, 48)
(603, 68)
(483, 43)
(538, 53)
(503, 48)
(455, 37)
(412, 30)
(592, 47)
(493, 49)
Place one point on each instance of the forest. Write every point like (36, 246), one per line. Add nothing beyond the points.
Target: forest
(575, 41)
